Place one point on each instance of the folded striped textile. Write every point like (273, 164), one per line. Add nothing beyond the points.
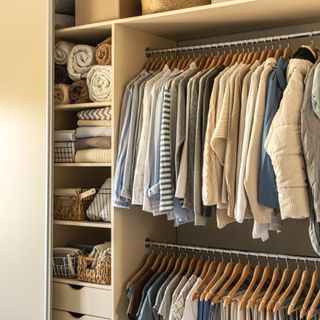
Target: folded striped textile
(62, 51)
(61, 74)
(93, 156)
(78, 92)
(61, 94)
(63, 21)
(81, 58)
(104, 52)
(65, 7)
(92, 132)
(99, 81)
(94, 123)
(95, 114)
(88, 143)
(64, 135)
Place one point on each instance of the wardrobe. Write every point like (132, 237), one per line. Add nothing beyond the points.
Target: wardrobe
(221, 21)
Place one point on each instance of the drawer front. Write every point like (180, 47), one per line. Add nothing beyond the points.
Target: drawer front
(64, 315)
(84, 300)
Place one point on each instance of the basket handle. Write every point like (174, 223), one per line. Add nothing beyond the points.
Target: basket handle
(87, 193)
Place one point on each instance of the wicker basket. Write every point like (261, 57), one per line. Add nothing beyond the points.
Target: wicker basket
(153, 6)
(100, 273)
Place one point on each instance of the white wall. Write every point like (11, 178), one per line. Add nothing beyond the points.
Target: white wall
(23, 107)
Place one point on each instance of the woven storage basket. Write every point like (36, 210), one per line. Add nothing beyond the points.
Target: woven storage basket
(153, 6)
(100, 274)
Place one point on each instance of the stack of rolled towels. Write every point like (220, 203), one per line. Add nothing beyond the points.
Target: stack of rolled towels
(82, 72)
(93, 136)
(64, 13)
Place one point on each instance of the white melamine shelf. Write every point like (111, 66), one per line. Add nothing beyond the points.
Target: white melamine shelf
(80, 106)
(90, 224)
(220, 18)
(81, 283)
(79, 165)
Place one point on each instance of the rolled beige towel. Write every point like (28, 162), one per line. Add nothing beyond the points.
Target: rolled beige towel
(99, 81)
(81, 58)
(104, 52)
(61, 94)
(78, 92)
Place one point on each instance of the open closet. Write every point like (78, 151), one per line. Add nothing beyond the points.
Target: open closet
(224, 27)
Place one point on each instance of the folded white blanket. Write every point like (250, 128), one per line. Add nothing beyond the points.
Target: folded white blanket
(99, 208)
(94, 123)
(64, 6)
(62, 51)
(63, 21)
(93, 155)
(81, 59)
(95, 114)
(92, 132)
(99, 81)
(64, 135)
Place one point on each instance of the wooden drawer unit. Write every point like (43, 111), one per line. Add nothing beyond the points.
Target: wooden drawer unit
(89, 301)
(65, 315)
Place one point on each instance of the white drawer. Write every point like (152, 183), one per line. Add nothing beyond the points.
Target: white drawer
(84, 300)
(64, 315)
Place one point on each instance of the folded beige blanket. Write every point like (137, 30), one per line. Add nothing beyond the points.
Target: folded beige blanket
(104, 52)
(88, 143)
(94, 123)
(99, 80)
(78, 92)
(61, 94)
(93, 156)
(81, 58)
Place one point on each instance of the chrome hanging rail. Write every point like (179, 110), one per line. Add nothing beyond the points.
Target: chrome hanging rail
(156, 244)
(150, 52)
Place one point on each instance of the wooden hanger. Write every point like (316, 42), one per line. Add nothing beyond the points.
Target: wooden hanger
(198, 269)
(234, 59)
(237, 270)
(314, 306)
(192, 265)
(271, 53)
(241, 57)
(288, 53)
(246, 272)
(209, 62)
(295, 278)
(248, 292)
(146, 266)
(207, 294)
(312, 288)
(163, 264)
(264, 278)
(205, 269)
(205, 279)
(304, 281)
(228, 59)
(184, 266)
(177, 266)
(171, 264)
(264, 55)
(275, 276)
(277, 292)
(255, 57)
(148, 64)
(279, 53)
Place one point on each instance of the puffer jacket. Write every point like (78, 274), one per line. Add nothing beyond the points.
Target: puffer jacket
(284, 146)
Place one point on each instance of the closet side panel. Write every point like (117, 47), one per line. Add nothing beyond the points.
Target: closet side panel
(131, 227)
(23, 134)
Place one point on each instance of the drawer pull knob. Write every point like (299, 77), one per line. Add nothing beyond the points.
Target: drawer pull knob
(75, 287)
(76, 315)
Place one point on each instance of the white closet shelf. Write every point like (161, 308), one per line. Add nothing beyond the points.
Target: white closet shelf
(220, 18)
(77, 165)
(90, 224)
(81, 283)
(80, 106)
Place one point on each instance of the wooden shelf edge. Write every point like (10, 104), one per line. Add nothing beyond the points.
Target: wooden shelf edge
(80, 106)
(81, 283)
(83, 165)
(89, 224)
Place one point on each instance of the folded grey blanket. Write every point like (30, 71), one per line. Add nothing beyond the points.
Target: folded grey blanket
(95, 114)
(64, 7)
(62, 51)
(64, 135)
(92, 132)
(88, 143)
(81, 58)
(63, 21)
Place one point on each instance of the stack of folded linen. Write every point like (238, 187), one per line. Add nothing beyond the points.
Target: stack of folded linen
(64, 146)
(93, 136)
(64, 13)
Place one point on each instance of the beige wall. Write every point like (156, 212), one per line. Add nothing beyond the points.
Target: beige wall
(23, 107)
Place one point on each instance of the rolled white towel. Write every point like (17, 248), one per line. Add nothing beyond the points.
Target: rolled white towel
(81, 59)
(99, 81)
(62, 51)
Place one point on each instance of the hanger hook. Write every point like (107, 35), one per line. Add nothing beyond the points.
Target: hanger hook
(287, 264)
(298, 266)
